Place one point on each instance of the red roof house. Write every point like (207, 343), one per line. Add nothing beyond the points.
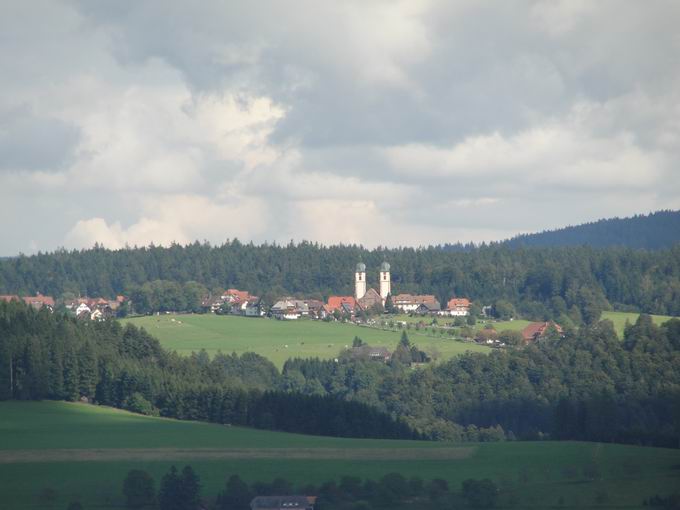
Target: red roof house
(336, 302)
(536, 330)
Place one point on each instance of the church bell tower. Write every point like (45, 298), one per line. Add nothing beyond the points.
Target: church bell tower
(385, 282)
(360, 281)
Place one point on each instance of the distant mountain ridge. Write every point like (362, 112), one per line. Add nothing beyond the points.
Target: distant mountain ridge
(653, 231)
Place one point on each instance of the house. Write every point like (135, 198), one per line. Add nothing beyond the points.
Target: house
(337, 302)
(410, 303)
(378, 353)
(9, 297)
(235, 296)
(283, 503)
(317, 308)
(97, 315)
(82, 308)
(537, 330)
(39, 301)
(457, 307)
(428, 307)
(254, 309)
(289, 309)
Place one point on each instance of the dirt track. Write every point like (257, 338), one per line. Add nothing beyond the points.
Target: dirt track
(121, 454)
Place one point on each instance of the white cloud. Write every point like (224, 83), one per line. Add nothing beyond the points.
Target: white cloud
(375, 122)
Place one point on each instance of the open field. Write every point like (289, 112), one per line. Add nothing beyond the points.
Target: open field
(279, 340)
(538, 473)
(619, 319)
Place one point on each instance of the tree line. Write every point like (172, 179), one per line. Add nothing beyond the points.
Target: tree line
(181, 490)
(52, 356)
(587, 385)
(567, 284)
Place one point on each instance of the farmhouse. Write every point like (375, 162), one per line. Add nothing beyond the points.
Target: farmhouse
(537, 330)
(428, 307)
(283, 502)
(36, 302)
(366, 352)
(457, 307)
(410, 303)
(338, 302)
(289, 309)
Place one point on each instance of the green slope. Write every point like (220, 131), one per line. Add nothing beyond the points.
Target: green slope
(620, 318)
(537, 474)
(278, 340)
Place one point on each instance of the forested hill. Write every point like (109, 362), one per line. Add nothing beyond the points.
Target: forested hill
(654, 231)
(539, 282)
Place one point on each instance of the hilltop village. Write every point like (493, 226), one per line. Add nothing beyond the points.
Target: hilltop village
(368, 306)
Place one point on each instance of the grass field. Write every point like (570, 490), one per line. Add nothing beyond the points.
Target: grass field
(539, 474)
(619, 319)
(279, 340)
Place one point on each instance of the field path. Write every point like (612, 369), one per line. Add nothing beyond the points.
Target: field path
(121, 454)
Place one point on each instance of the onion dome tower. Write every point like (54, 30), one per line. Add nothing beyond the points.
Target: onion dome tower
(385, 282)
(360, 281)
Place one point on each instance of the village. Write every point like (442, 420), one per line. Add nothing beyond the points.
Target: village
(370, 307)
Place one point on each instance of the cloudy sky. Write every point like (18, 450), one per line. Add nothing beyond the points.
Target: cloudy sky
(382, 123)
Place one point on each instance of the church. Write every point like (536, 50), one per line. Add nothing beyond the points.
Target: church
(369, 298)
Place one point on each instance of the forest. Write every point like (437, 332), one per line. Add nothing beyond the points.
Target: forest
(52, 356)
(569, 284)
(660, 229)
(588, 385)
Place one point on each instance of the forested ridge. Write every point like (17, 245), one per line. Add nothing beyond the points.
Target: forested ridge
(587, 385)
(657, 230)
(539, 282)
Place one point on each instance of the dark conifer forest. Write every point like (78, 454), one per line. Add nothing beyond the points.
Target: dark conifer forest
(572, 282)
(588, 385)
(52, 356)
(653, 231)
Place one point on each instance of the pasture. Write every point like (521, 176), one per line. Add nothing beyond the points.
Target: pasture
(532, 474)
(281, 340)
(620, 318)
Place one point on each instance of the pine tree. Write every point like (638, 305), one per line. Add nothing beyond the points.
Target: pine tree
(168, 494)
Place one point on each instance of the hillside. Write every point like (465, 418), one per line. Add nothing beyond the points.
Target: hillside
(652, 232)
(280, 340)
(532, 474)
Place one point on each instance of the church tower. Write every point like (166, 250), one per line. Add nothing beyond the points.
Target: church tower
(385, 282)
(360, 281)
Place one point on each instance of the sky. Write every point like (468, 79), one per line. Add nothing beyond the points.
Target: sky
(385, 123)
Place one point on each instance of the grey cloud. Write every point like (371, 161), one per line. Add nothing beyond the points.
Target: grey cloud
(30, 142)
(361, 85)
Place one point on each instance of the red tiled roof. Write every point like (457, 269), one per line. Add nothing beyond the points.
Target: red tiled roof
(238, 295)
(458, 303)
(335, 302)
(9, 297)
(39, 300)
(538, 329)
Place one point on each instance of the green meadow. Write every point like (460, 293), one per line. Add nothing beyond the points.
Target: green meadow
(280, 340)
(530, 474)
(620, 318)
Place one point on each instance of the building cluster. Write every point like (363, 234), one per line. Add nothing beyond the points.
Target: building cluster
(38, 301)
(364, 299)
(292, 502)
(95, 309)
(235, 302)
